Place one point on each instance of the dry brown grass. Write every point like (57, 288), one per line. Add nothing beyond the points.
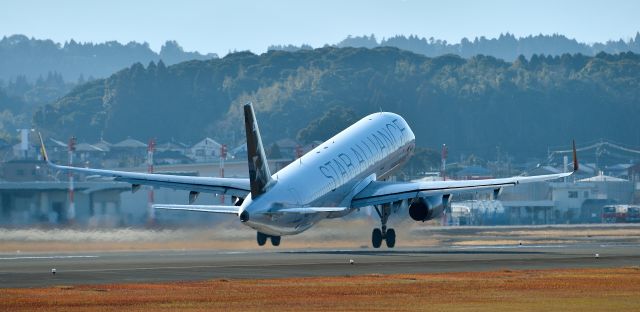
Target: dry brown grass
(542, 290)
(334, 233)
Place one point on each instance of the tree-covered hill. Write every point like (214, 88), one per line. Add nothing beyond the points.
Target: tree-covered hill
(472, 104)
(506, 46)
(34, 58)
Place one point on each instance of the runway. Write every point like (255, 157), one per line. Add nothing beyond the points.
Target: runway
(34, 270)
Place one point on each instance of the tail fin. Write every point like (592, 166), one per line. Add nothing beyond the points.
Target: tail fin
(259, 174)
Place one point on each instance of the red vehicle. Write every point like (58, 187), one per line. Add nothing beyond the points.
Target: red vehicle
(614, 214)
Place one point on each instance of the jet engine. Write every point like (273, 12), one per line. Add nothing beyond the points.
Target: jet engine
(427, 208)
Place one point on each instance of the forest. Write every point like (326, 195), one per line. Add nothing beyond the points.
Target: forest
(472, 104)
(33, 58)
(506, 46)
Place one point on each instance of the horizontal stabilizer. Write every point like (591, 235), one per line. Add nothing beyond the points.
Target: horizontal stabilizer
(200, 208)
(305, 210)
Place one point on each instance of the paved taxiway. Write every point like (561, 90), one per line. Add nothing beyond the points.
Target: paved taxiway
(34, 270)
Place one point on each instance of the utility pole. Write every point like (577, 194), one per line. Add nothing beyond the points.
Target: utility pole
(565, 164)
(299, 151)
(223, 156)
(71, 211)
(151, 214)
(443, 173)
(443, 170)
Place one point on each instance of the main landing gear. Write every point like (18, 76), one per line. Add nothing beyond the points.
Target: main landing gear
(262, 239)
(388, 235)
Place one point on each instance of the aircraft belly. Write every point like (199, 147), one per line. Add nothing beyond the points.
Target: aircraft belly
(285, 224)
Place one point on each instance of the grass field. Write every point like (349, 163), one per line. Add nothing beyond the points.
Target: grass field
(616, 289)
(332, 233)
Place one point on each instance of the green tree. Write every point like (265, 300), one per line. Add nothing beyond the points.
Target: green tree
(333, 121)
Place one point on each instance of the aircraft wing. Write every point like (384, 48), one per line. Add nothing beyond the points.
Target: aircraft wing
(381, 192)
(231, 186)
(200, 208)
(236, 210)
(309, 210)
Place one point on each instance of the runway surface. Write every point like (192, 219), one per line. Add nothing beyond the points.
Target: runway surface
(34, 270)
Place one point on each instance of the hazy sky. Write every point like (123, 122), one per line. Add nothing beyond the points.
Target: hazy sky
(216, 26)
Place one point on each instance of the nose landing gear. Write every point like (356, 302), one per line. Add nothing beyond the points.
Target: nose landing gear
(388, 235)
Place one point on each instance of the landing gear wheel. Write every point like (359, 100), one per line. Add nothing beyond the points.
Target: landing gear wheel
(376, 238)
(262, 239)
(275, 240)
(389, 235)
(390, 238)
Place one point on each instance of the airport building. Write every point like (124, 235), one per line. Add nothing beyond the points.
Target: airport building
(30, 193)
(47, 203)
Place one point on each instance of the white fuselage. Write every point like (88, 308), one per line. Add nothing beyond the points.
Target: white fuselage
(332, 173)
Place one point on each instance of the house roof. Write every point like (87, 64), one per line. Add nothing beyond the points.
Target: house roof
(103, 145)
(80, 147)
(130, 143)
(207, 142)
(543, 170)
(602, 178)
(86, 147)
(474, 171)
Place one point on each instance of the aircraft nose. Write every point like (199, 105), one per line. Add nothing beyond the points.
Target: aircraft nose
(244, 216)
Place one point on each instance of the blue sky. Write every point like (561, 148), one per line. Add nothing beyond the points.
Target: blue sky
(216, 26)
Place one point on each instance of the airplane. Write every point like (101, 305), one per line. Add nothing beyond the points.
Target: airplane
(340, 176)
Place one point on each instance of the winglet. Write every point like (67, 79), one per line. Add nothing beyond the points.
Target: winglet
(43, 150)
(575, 157)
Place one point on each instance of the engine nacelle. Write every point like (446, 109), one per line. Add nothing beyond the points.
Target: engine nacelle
(427, 208)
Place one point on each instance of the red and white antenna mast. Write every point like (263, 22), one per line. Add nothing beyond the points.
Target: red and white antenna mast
(71, 211)
(223, 156)
(151, 216)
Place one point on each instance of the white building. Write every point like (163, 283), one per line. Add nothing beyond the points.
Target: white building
(206, 150)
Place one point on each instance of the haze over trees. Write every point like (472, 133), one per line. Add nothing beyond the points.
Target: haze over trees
(506, 46)
(32, 58)
(20, 98)
(472, 104)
